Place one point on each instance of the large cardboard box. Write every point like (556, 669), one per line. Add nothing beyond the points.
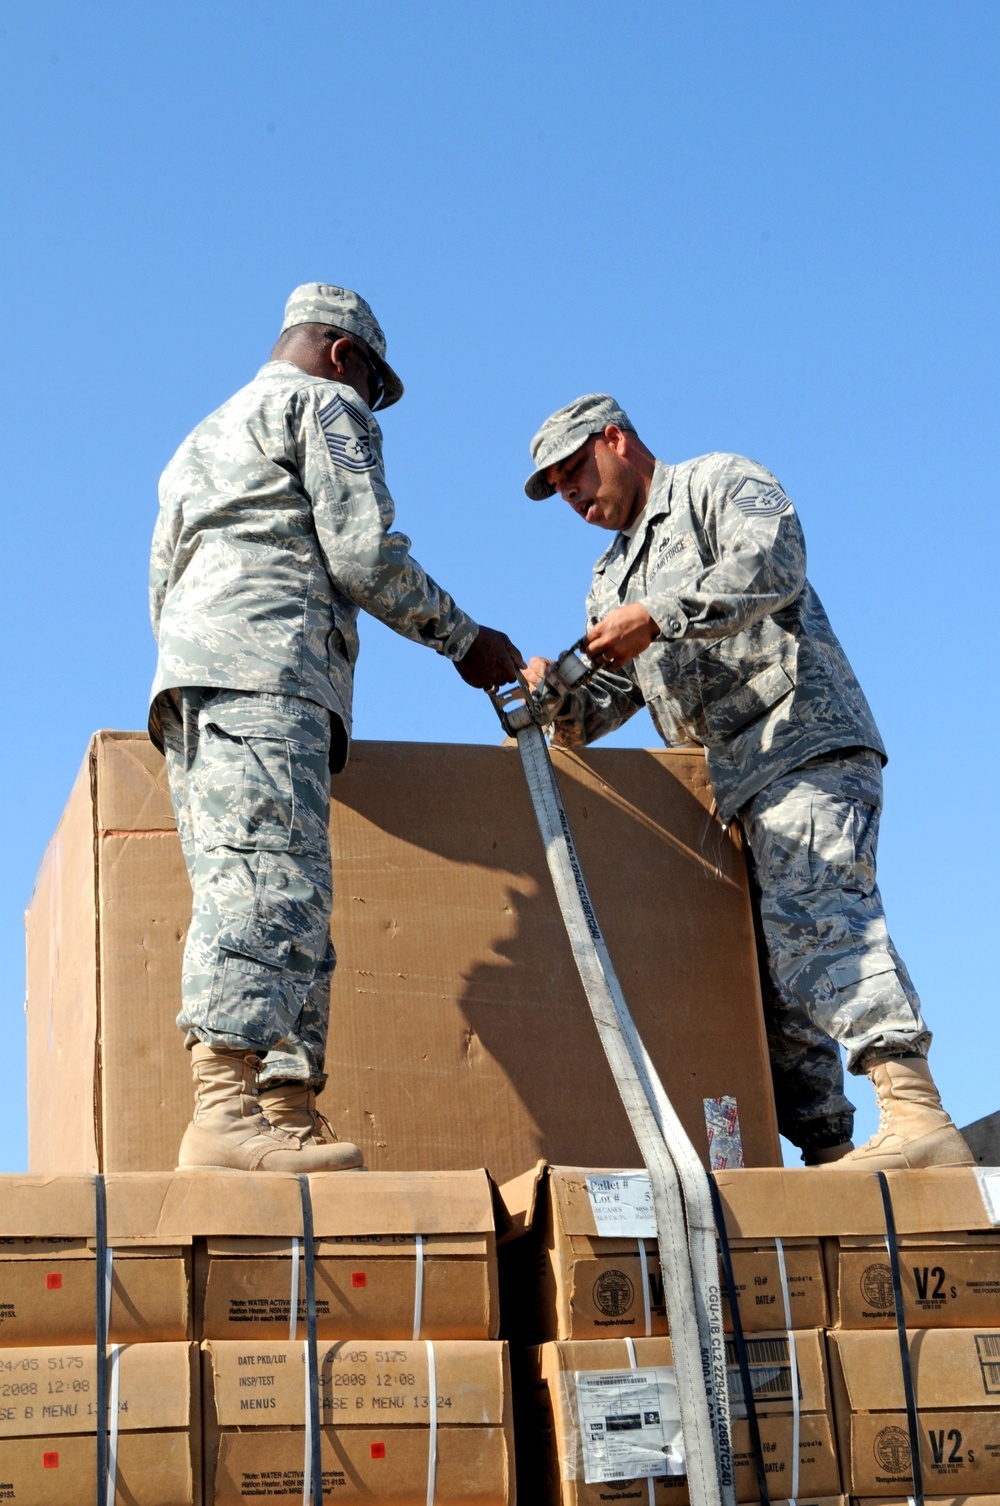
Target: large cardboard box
(399, 1255)
(381, 1440)
(460, 1035)
(47, 1270)
(48, 1447)
(563, 1278)
(590, 1422)
(956, 1378)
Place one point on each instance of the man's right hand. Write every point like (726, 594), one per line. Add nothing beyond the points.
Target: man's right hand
(536, 669)
(492, 660)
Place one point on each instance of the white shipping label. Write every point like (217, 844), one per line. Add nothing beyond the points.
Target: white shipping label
(989, 1185)
(630, 1424)
(622, 1204)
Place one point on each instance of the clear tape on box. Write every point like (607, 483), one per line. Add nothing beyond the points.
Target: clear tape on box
(620, 1425)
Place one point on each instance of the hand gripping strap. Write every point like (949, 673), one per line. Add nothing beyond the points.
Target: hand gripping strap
(904, 1347)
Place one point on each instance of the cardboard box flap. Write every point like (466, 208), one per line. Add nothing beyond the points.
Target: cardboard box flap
(952, 1367)
(768, 1201)
(262, 1384)
(344, 1203)
(154, 1388)
(520, 1199)
(65, 1207)
(129, 780)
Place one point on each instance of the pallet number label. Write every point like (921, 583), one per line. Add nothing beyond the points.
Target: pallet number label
(622, 1205)
(630, 1424)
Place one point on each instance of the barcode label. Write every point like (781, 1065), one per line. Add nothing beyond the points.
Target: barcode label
(988, 1350)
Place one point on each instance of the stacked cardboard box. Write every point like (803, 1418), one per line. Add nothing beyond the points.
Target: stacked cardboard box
(48, 1356)
(581, 1265)
(413, 1384)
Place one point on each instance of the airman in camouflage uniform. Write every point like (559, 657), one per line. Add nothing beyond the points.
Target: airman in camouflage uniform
(274, 531)
(700, 609)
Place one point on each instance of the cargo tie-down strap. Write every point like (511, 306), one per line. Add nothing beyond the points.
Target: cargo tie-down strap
(312, 1481)
(107, 1449)
(678, 1182)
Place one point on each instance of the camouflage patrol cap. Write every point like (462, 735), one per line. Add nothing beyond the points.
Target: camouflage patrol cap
(323, 303)
(566, 431)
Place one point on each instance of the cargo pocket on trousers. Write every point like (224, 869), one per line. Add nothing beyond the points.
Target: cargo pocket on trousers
(252, 994)
(251, 806)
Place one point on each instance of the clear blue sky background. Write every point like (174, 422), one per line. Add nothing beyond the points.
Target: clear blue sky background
(767, 228)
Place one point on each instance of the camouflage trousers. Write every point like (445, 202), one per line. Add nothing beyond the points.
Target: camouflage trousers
(835, 976)
(250, 782)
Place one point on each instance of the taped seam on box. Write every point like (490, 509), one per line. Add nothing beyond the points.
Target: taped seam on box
(793, 1363)
(432, 1441)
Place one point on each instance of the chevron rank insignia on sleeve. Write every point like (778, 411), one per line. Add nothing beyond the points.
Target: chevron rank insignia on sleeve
(347, 435)
(761, 498)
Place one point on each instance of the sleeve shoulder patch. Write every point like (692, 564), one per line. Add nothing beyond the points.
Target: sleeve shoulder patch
(348, 437)
(760, 498)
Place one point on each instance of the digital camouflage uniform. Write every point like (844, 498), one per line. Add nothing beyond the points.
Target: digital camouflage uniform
(273, 531)
(747, 665)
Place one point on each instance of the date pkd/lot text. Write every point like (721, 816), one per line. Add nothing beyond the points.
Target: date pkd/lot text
(381, 1424)
(48, 1417)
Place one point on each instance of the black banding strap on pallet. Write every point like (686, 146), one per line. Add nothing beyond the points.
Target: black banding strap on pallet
(912, 1424)
(742, 1358)
(101, 1334)
(309, 1252)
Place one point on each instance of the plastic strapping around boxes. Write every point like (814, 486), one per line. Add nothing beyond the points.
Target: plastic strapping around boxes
(650, 1487)
(418, 1289)
(313, 1469)
(307, 1492)
(739, 1340)
(432, 1419)
(912, 1425)
(793, 1363)
(101, 1317)
(644, 1272)
(293, 1301)
(113, 1440)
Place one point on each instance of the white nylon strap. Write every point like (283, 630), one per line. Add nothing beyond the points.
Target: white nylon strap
(293, 1310)
(113, 1399)
(644, 1269)
(793, 1362)
(307, 1461)
(432, 1418)
(634, 1365)
(418, 1289)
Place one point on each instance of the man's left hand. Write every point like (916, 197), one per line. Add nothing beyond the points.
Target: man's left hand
(621, 635)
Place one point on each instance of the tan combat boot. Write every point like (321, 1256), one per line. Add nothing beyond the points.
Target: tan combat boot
(292, 1107)
(914, 1129)
(229, 1131)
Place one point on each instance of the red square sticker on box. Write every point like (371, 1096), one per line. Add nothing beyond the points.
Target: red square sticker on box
(378, 1450)
(53, 1280)
(50, 1461)
(358, 1278)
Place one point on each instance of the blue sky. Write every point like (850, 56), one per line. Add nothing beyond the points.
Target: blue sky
(769, 229)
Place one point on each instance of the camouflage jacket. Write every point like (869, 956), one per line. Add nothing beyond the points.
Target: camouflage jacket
(273, 531)
(746, 663)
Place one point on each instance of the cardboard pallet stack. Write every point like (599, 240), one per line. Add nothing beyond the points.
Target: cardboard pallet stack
(460, 1038)
(583, 1306)
(207, 1364)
